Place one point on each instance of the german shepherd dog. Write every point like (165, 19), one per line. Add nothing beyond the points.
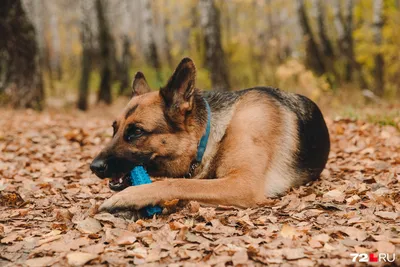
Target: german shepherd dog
(217, 148)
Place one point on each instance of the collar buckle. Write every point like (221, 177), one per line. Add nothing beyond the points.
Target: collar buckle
(192, 167)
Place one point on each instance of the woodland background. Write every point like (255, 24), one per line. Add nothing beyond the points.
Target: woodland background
(75, 53)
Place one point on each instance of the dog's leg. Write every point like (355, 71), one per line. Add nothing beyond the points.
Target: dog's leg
(241, 184)
(224, 191)
(247, 156)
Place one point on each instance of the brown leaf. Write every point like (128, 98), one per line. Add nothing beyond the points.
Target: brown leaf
(288, 231)
(385, 247)
(10, 238)
(387, 215)
(126, 239)
(194, 206)
(334, 195)
(207, 213)
(190, 237)
(1, 230)
(314, 243)
(107, 217)
(293, 253)
(89, 226)
(11, 199)
(40, 262)
(79, 258)
(240, 257)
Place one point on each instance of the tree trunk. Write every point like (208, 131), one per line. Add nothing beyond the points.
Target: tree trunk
(149, 41)
(125, 66)
(126, 57)
(167, 43)
(348, 39)
(313, 56)
(326, 45)
(86, 39)
(21, 82)
(344, 28)
(56, 46)
(327, 53)
(214, 54)
(379, 62)
(106, 44)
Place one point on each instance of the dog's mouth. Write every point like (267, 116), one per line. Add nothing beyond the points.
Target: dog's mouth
(120, 182)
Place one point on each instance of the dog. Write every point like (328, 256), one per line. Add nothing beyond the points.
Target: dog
(218, 148)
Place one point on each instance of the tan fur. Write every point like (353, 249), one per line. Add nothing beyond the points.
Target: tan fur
(244, 160)
(249, 155)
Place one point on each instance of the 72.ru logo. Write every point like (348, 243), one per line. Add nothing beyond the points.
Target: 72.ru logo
(371, 257)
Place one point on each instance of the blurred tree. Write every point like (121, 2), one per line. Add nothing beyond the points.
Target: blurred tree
(378, 23)
(55, 60)
(86, 40)
(327, 53)
(150, 47)
(314, 59)
(344, 29)
(167, 43)
(214, 54)
(106, 43)
(20, 73)
(126, 57)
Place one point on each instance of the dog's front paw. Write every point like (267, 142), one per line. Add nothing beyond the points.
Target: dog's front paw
(131, 198)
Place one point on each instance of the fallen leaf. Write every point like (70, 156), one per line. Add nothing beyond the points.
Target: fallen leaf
(387, 215)
(79, 258)
(240, 257)
(288, 231)
(293, 253)
(40, 262)
(207, 213)
(126, 239)
(10, 238)
(385, 247)
(89, 226)
(335, 195)
(324, 238)
(315, 243)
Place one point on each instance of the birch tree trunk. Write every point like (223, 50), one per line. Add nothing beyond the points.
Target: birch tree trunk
(21, 82)
(378, 23)
(106, 54)
(86, 40)
(215, 59)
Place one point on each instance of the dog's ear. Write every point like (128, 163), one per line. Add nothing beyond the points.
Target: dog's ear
(178, 94)
(139, 85)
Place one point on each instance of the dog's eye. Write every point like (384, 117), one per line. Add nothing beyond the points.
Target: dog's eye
(138, 132)
(133, 133)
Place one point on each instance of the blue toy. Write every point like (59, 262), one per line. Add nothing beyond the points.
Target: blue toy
(140, 176)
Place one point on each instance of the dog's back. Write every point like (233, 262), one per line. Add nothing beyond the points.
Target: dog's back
(301, 139)
(240, 147)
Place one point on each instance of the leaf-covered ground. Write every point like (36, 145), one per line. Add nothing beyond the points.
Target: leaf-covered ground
(49, 200)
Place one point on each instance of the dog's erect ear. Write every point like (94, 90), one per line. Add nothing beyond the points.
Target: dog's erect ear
(179, 92)
(139, 85)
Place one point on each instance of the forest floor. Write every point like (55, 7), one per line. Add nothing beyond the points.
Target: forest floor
(49, 200)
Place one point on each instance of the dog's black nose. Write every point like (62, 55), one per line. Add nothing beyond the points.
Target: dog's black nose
(99, 167)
